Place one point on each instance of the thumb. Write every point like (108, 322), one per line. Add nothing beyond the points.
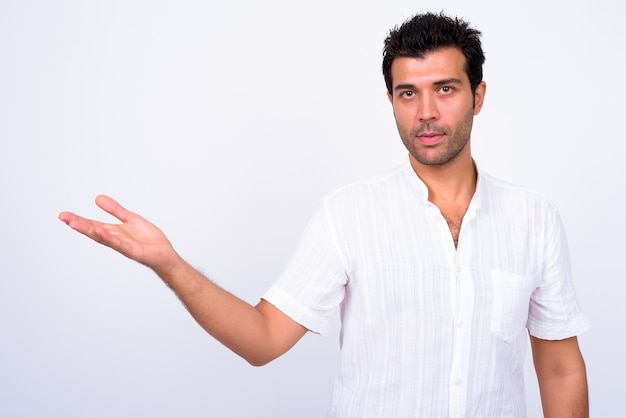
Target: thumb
(112, 207)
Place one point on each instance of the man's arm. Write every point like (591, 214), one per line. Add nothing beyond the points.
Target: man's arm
(258, 333)
(562, 377)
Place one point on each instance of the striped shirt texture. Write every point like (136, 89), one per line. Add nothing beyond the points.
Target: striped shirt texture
(430, 330)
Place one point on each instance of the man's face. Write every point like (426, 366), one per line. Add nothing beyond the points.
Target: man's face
(434, 106)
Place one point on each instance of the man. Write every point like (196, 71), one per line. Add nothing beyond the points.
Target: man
(437, 267)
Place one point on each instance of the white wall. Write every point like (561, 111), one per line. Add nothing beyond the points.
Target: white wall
(224, 122)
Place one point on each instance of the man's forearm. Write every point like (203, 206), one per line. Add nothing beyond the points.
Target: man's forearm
(562, 378)
(247, 330)
(566, 396)
(257, 333)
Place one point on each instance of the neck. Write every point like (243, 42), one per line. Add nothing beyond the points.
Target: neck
(454, 182)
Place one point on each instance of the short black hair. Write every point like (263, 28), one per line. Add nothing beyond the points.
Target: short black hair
(428, 32)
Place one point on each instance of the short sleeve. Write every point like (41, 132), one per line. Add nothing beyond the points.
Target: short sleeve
(554, 312)
(313, 282)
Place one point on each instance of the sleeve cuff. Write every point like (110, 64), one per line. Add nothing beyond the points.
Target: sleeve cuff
(574, 327)
(306, 317)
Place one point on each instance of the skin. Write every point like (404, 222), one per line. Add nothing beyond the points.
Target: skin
(434, 107)
(562, 377)
(258, 333)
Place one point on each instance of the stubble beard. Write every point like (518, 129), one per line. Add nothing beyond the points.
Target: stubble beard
(457, 141)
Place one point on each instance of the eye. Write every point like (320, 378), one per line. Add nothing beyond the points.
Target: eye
(446, 89)
(407, 94)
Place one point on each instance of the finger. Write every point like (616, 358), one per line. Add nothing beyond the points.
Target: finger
(111, 206)
(97, 231)
(67, 217)
(78, 223)
(89, 227)
(111, 236)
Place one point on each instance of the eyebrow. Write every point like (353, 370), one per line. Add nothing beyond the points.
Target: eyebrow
(442, 82)
(451, 80)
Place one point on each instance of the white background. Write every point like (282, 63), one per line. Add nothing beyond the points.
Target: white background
(224, 122)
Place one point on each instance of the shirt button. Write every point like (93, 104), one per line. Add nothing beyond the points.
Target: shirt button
(458, 382)
(459, 269)
(460, 324)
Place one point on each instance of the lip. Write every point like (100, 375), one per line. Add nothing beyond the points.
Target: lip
(430, 138)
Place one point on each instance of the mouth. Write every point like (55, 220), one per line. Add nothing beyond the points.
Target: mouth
(430, 138)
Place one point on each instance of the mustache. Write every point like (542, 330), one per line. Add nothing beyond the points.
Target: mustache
(431, 128)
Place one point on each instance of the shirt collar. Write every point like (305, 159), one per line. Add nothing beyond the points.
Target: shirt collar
(422, 190)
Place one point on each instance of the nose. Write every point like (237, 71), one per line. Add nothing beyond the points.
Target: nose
(427, 109)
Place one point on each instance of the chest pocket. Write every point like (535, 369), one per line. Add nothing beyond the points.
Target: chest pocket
(511, 300)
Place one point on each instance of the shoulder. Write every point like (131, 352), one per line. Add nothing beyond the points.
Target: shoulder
(369, 200)
(376, 187)
(498, 191)
(518, 207)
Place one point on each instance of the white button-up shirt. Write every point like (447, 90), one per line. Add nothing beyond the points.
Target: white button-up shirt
(430, 330)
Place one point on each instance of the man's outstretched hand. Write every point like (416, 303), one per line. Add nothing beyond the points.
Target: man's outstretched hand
(257, 333)
(134, 237)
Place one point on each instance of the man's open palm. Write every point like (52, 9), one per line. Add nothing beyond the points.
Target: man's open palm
(135, 237)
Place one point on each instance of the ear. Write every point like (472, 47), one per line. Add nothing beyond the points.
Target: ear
(390, 97)
(479, 97)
